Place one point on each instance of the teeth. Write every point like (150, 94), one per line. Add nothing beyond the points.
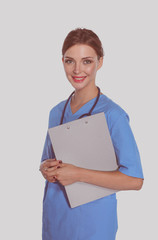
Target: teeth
(79, 78)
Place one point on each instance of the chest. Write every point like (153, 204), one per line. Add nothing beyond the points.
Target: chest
(75, 108)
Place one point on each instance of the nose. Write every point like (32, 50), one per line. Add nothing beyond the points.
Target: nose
(77, 68)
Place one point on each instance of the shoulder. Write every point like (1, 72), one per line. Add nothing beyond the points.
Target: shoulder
(113, 111)
(55, 114)
(58, 108)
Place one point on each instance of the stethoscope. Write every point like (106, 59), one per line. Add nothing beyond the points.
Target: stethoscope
(86, 114)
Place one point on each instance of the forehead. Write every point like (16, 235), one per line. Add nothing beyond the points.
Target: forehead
(80, 50)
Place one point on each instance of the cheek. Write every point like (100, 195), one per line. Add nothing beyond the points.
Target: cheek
(91, 69)
(68, 69)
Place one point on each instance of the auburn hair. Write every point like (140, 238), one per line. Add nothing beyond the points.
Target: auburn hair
(83, 36)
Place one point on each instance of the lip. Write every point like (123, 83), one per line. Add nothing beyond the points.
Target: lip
(76, 78)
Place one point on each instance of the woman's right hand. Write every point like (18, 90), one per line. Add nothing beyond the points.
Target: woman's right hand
(51, 164)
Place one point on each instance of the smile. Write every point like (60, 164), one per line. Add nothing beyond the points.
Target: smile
(78, 79)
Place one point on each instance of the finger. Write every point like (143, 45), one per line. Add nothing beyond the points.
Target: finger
(52, 163)
(48, 160)
(47, 165)
(44, 163)
(44, 176)
(52, 173)
(59, 165)
(62, 164)
(50, 169)
(52, 179)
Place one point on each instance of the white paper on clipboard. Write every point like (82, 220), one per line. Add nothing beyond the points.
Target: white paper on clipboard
(86, 143)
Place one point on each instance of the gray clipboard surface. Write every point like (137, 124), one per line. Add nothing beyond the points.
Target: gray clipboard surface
(86, 143)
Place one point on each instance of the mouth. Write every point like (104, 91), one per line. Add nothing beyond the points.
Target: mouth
(79, 79)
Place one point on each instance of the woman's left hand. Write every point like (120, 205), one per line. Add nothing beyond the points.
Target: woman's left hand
(66, 173)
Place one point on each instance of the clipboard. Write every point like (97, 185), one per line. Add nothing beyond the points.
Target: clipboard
(85, 143)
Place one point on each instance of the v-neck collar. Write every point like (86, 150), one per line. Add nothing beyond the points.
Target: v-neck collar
(81, 108)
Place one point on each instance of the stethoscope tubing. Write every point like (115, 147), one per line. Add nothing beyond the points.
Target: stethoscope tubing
(85, 114)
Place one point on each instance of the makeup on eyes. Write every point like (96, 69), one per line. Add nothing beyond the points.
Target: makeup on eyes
(86, 61)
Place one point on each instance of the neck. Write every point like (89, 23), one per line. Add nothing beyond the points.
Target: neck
(84, 95)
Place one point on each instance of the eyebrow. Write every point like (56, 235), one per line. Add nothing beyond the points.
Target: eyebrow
(82, 58)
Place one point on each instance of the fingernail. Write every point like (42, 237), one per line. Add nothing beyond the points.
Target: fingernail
(60, 161)
(58, 166)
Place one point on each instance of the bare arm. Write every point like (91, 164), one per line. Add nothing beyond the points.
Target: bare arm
(68, 173)
(113, 180)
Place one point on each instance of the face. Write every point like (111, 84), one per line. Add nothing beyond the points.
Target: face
(81, 65)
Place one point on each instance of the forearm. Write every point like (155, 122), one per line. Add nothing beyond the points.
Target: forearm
(113, 180)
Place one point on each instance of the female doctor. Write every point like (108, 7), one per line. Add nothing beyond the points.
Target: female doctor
(97, 220)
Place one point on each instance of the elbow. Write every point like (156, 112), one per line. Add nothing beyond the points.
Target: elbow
(138, 184)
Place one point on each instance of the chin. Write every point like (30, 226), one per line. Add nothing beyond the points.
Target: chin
(79, 86)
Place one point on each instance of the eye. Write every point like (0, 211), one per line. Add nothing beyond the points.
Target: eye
(87, 61)
(68, 61)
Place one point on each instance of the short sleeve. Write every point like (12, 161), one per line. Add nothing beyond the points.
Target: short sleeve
(126, 148)
(48, 149)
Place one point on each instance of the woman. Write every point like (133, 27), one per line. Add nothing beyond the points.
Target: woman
(97, 220)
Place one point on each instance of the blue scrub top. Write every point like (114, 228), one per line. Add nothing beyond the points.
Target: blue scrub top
(96, 220)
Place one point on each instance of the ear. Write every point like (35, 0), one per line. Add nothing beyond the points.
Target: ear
(100, 63)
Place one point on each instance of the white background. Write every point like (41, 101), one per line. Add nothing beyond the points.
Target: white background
(33, 81)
